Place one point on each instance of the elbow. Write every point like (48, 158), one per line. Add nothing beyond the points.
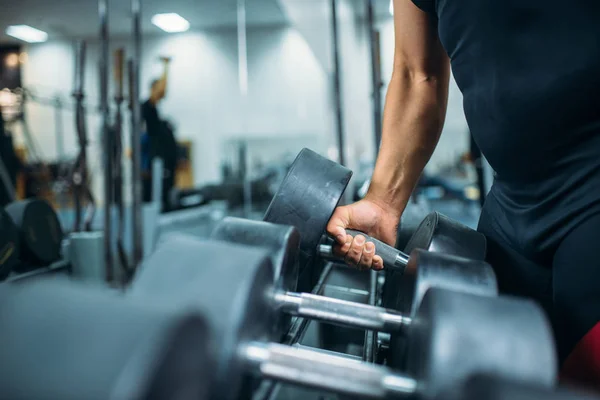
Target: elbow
(433, 72)
(418, 77)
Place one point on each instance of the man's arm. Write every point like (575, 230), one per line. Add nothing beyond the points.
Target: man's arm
(415, 107)
(161, 85)
(414, 115)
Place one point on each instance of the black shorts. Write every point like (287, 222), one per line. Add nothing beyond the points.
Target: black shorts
(565, 282)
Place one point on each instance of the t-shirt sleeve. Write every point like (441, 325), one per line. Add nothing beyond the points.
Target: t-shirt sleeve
(426, 5)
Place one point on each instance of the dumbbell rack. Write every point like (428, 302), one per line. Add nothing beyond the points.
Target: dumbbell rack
(334, 281)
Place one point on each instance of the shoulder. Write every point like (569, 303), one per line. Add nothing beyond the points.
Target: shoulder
(425, 5)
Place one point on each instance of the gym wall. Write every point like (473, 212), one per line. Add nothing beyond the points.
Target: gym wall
(289, 89)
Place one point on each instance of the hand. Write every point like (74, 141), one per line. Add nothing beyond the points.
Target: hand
(379, 221)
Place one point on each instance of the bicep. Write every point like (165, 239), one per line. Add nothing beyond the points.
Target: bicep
(418, 53)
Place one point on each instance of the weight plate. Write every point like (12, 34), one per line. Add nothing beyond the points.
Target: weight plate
(229, 284)
(307, 198)
(489, 387)
(73, 342)
(9, 245)
(436, 233)
(282, 241)
(39, 230)
(455, 335)
(428, 270)
(441, 234)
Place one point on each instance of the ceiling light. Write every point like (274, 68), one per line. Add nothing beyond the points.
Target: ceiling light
(392, 7)
(26, 33)
(171, 22)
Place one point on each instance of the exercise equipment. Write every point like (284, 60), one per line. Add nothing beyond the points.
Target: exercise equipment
(79, 176)
(283, 242)
(427, 269)
(9, 245)
(64, 341)
(489, 387)
(313, 189)
(452, 336)
(40, 232)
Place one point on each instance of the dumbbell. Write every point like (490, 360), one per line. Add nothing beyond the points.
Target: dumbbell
(428, 269)
(9, 245)
(312, 190)
(452, 335)
(489, 387)
(40, 233)
(62, 340)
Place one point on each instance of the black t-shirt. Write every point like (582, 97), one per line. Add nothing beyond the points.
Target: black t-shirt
(529, 72)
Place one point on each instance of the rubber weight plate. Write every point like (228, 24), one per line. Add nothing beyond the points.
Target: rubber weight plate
(439, 354)
(441, 234)
(40, 232)
(307, 198)
(488, 387)
(9, 245)
(229, 284)
(281, 241)
(436, 233)
(66, 341)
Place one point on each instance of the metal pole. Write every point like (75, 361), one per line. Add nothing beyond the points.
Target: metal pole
(136, 135)
(59, 128)
(107, 137)
(243, 87)
(375, 74)
(7, 182)
(337, 86)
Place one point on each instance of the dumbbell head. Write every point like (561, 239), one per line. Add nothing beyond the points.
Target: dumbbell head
(441, 234)
(307, 198)
(231, 285)
(489, 387)
(40, 231)
(63, 341)
(455, 335)
(427, 269)
(282, 242)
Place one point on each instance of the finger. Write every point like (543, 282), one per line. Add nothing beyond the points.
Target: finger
(366, 259)
(355, 253)
(337, 225)
(377, 263)
(341, 251)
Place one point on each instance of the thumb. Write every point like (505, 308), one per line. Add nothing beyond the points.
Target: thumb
(338, 223)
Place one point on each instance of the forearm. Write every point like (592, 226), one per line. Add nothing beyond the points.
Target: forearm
(164, 78)
(413, 119)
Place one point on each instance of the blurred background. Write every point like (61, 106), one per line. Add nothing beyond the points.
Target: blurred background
(249, 84)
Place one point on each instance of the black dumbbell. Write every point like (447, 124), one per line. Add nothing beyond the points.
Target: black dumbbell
(40, 232)
(427, 269)
(452, 336)
(312, 190)
(489, 387)
(60, 340)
